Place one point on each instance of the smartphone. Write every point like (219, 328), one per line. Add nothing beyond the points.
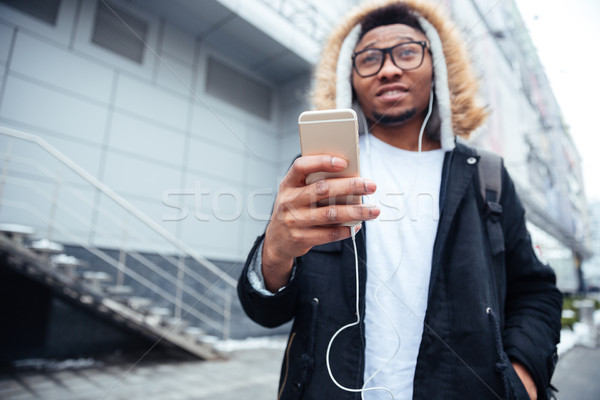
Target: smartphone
(332, 132)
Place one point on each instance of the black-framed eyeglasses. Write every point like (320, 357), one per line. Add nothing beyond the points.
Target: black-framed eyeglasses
(406, 56)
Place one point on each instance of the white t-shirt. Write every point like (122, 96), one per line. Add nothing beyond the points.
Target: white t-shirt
(399, 255)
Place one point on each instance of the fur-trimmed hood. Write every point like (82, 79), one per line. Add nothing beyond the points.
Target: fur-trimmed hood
(456, 85)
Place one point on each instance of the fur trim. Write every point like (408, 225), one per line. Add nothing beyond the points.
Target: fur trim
(467, 112)
(343, 87)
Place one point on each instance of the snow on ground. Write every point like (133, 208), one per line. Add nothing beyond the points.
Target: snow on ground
(42, 364)
(582, 334)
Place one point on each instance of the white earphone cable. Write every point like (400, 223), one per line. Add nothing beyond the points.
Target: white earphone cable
(354, 323)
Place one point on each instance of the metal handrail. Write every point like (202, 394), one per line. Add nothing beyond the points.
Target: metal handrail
(120, 201)
(183, 268)
(133, 254)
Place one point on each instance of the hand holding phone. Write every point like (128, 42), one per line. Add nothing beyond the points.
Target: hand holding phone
(329, 141)
(332, 132)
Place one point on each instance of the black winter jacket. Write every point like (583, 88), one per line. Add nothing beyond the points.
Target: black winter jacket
(487, 304)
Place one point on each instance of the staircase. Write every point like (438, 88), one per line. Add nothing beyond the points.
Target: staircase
(118, 263)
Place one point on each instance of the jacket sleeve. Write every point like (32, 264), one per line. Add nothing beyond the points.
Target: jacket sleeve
(267, 310)
(533, 302)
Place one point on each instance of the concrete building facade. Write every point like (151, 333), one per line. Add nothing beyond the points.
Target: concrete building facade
(526, 127)
(187, 111)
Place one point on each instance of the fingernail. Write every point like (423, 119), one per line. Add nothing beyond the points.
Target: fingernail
(338, 162)
(374, 211)
(370, 186)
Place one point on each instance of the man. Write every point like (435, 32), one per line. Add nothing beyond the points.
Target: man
(445, 311)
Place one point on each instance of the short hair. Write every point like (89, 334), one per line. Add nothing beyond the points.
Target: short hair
(397, 13)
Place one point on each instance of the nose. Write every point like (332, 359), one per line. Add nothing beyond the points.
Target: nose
(389, 69)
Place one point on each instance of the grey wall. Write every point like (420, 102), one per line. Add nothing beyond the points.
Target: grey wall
(149, 131)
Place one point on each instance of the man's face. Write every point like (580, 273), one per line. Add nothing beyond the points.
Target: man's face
(393, 96)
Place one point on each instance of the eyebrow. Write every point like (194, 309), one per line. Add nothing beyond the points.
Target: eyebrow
(371, 44)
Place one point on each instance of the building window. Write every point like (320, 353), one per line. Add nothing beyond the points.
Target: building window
(119, 31)
(238, 89)
(44, 10)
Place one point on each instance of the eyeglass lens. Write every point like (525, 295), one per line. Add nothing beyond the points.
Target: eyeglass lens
(405, 56)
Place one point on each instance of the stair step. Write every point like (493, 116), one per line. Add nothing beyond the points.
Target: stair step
(160, 311)
(157, 315)
(132, 312)
(193, 331)
(67, 264)
(46, 248)
(176, 322)
(96, 276)
(118, 290)
(16, 232)
(64, 259)
(138, 303)
(95, 279)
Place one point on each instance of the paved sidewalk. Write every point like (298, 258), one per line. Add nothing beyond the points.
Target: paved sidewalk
(577, 375)
(248, 374)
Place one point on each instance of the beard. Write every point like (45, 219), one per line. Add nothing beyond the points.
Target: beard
(391, 120)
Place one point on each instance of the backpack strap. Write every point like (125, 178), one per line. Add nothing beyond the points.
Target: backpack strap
(489, 170)
(490, 176)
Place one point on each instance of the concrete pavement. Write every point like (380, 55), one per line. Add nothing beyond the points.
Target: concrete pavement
(577, 375)
(247, 374)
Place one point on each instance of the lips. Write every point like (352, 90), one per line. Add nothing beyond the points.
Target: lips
(394, 89)
(391, 93)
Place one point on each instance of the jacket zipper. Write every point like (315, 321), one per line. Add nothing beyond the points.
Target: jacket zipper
(287, 365)
(361, 326)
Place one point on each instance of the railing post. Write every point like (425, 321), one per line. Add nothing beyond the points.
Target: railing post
(179, 287)
(227, 313)
(122, 253)
(5, 165)
(54, 205)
